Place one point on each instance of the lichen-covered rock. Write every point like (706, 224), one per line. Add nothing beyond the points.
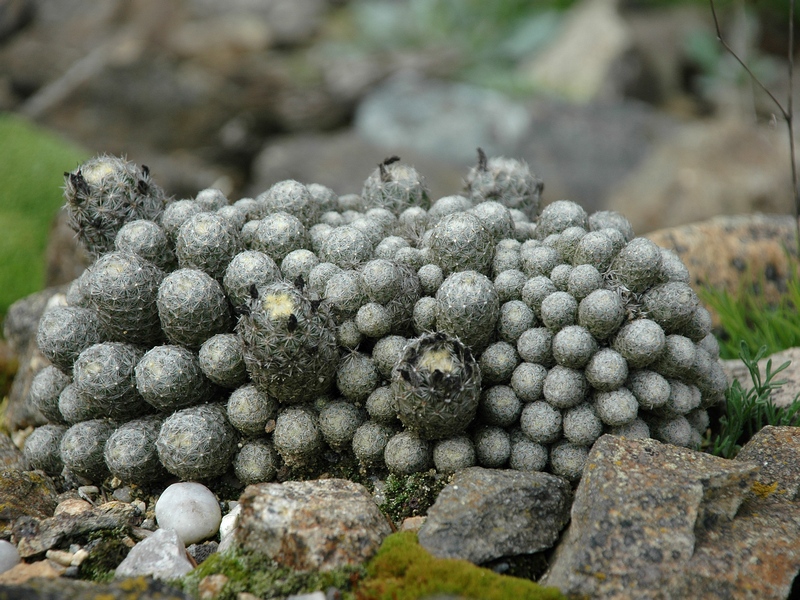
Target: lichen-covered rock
(485, 514)
(653, 520)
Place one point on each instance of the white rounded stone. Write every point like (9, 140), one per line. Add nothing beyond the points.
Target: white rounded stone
(190, 509)
(9, 557)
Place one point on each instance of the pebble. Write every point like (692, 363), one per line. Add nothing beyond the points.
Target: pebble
(72, 506)
(191, 509)
(161, 556)
(9, 557)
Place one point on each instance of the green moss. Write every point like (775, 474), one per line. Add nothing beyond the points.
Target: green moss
(257, 575)
(411, 495)
(106, 548)
(32, 163)
(403, 569)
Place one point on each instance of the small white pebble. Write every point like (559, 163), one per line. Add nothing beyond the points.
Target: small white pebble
(61, 557)
(191, 509)
(228, 524)
(78, 557)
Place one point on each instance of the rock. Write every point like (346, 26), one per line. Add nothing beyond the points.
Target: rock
(292, 22)
(161, 556)
(783, 396)
(24, 494)
(738, 252)
(341, 161)
(10, 455)
(41, 570)
(705, 169)
(486, 514)
(440, 119)
(14, 15)
(581, 62)
(65, 257)
(227, 528)
(652, 520)
(9, 557)
(62, 588)
(311, 525)
(22, 318)
(35, 536)
(200, 552)
(190, 509)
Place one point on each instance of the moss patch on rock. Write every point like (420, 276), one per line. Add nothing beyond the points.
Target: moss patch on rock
(402, 569)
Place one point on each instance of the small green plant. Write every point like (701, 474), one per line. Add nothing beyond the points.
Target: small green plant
(747, 411)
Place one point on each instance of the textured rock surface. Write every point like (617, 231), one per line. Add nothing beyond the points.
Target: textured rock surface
(311, 525)
(746, 251)
(25, 493)
(161, 556)
(34, 536)
(657, 521)
(486, 514)
(10, 456)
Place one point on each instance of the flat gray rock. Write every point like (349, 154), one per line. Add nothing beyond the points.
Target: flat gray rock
(488, 513)
(652, 520)
(34, 537)
(311, 525)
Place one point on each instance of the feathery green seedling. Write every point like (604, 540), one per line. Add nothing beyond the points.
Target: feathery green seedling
(749, 410)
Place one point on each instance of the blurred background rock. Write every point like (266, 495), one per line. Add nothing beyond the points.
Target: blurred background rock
(623, 104)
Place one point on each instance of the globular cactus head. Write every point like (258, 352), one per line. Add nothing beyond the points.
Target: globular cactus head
(436, 386)
(395, 186)
(106, 192)
(505, 180)
(289, 343)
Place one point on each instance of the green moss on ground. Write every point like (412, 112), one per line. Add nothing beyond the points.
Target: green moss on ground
(402, 569)
(246, 572)
(32, 163)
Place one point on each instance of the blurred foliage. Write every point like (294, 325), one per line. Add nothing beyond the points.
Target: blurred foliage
(744, 318)
(491, 39)
(32, 165)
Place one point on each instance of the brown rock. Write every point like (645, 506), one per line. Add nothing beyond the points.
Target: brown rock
(62, 588)
(24, 572)
(311, 525)
(704, 170)
(10, 456)
(65, 257)
(652, 520)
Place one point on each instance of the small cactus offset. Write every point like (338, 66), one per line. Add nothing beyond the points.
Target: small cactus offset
(300, 331)
(106, 192)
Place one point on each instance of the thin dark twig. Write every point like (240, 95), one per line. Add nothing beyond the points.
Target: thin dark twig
(787, 112)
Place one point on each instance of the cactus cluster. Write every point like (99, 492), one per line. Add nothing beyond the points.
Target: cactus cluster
(300, 326)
